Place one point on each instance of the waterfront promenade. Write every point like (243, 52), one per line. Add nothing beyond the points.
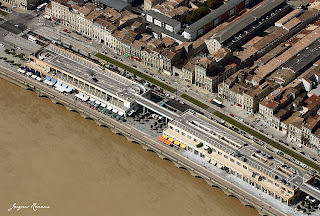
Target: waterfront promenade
(144, 139)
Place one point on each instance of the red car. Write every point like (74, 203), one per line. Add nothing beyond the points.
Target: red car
(231, 115)
(66, 30)
(134, 66)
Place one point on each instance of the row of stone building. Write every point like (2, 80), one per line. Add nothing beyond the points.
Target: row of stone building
(279, 77)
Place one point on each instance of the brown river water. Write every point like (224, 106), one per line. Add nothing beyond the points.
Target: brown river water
(55, 158)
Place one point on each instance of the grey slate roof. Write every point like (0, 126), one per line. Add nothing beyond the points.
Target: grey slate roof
(160, 30)
(116, 4)
(246, 20)
(163, 18)
(212, 16)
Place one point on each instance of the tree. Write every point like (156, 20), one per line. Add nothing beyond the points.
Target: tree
(298, 207)
(20, 56)
(151, 127)
(11, 62)
(209, 150)
(5, 58)
(155, 124)
(6, 50)
(13, 53)
(200, 145)
(19, 65)
(197, 14)
(90, 73)
(213, 4)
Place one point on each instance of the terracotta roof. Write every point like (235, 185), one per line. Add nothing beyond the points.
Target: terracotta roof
(111, 14)
(168, 42)
(272, 105)
(312, 101)
(279, 32)
(93, 15)
(291, 24)
(190, 66)
(310, 123)
(84, 10)
(288, 54)
(289, 16)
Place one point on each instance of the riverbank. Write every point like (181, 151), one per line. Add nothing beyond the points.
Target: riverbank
(147, 143)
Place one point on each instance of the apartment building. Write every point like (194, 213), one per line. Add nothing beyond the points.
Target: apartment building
(206, 140)
(258, 46)
(85, 19)
(207, 71)
(215, 18)
(163, 21)
(149, 4)
(302, 44)
(239, 91)
(244, 28)
(280, 104)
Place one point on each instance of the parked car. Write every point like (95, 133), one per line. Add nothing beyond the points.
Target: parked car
(134, 66)
(2, 45)
(231, 115)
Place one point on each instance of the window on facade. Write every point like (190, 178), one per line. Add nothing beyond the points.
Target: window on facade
(177, 130)
(231, 160)
(214, 150)
(270, 181)
(196, 152)
(183, 134)
(225, 156)
(276, 184)
(238, 163)
(245, 167)
(219, 153)
(239, 175)
(201, 155)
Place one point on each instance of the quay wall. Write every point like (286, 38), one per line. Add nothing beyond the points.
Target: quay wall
(213, 181)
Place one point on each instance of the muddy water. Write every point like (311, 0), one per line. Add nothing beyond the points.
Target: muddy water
(55, 158)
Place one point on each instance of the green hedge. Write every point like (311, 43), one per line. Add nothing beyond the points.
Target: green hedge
(3, 13)
(195, 101)
(137, 73)
(267, 140)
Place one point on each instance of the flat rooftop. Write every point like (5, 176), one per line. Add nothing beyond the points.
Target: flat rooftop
(248, 19)
(209, 131)
(305, 57)
(109, 81)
